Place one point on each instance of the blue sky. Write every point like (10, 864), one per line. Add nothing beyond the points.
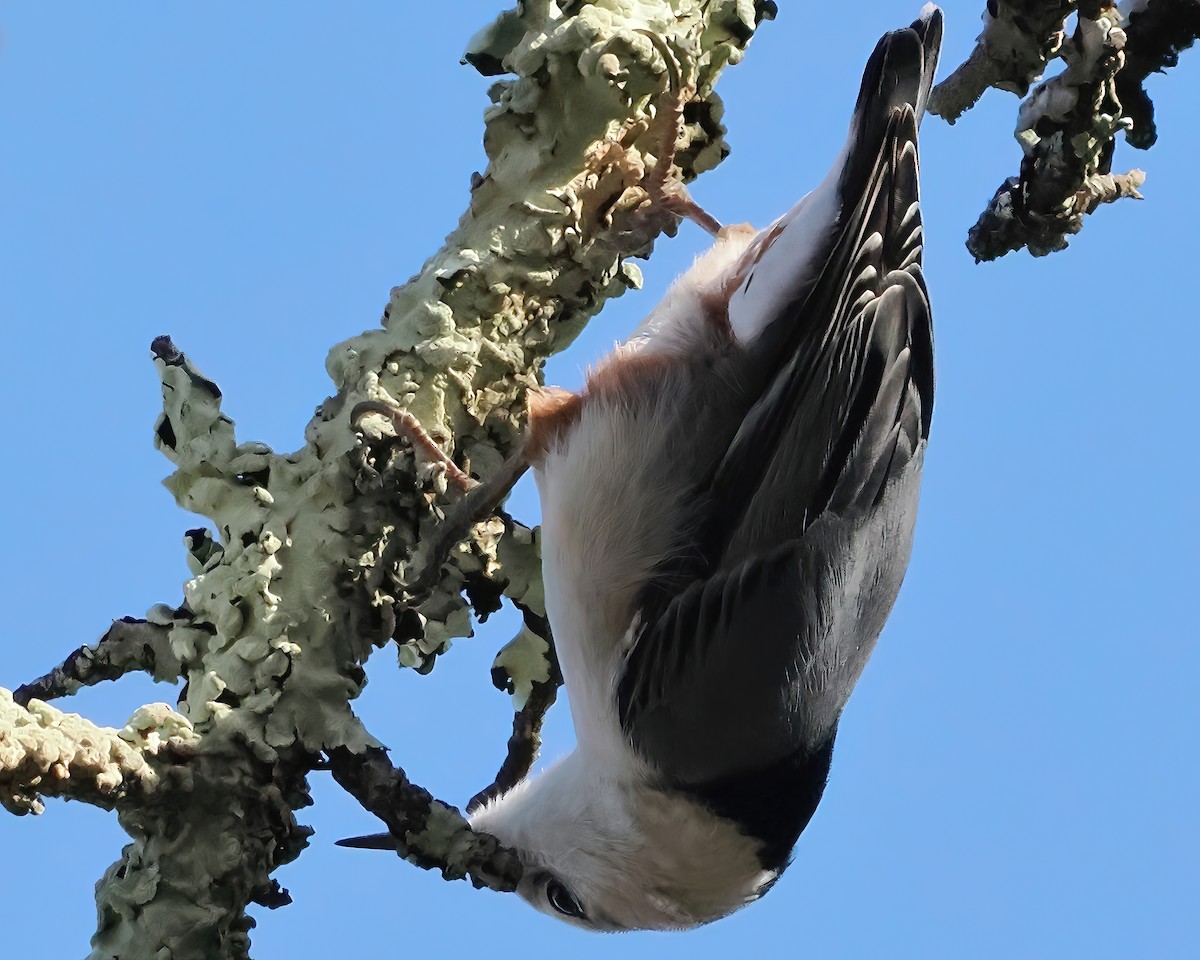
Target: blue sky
(1016, 773)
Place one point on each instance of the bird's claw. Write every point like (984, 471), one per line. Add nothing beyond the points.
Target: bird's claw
(664, 192)
(405, 425)
(478, 500)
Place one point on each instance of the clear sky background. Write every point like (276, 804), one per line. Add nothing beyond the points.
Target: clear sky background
(1016, 774)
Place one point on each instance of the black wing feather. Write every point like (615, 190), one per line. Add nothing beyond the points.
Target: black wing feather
(844, 387)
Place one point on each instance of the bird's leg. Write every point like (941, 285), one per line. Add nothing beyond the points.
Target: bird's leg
(664, 195)
(679, 201)
(407, 426)
(478, 500)
(674, 196)
(479, 503)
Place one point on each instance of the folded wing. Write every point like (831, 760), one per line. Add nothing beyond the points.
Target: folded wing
(747, 646)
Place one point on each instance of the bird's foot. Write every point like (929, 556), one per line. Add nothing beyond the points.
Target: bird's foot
(663, 182)
(480, 502)
(650, 168)
(405, 425)
(677, 200)
(477, 501)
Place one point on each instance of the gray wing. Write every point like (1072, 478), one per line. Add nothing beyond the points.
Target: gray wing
(741, 662)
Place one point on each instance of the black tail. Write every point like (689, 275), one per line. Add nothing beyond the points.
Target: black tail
(899, 72)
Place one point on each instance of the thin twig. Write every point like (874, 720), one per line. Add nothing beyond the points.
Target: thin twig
(129, 646)
(526, 739)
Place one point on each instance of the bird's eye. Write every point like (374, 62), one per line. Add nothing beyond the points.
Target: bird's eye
(562, 900)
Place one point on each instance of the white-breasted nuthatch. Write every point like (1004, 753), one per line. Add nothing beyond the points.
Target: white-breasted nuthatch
(727, 513)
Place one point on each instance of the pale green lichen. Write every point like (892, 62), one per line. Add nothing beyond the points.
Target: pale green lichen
(525, 660)
(155, 726)
(45, 752)
(1019, 39)
(520, 557)
(445, 830)
(1085, 88)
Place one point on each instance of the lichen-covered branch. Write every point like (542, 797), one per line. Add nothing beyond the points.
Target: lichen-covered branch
(298, 576)
(1007, 225)
(129, 645)
(201, 853)
(47, 753)
(1019, 39)
(1067, 127)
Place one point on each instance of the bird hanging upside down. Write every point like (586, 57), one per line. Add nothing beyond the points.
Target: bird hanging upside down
(727, 513)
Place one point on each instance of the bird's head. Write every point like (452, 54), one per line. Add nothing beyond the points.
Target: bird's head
(613, 854)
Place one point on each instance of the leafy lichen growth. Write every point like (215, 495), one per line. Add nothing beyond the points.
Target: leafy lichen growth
(47, 753)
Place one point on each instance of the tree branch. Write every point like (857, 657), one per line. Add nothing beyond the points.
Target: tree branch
(47, 753)
(1157, 32)
(1067, 127)
(1019, 39)
(527, 668)
(129, 645)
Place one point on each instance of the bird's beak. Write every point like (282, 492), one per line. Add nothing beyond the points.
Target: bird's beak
(372, 841)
